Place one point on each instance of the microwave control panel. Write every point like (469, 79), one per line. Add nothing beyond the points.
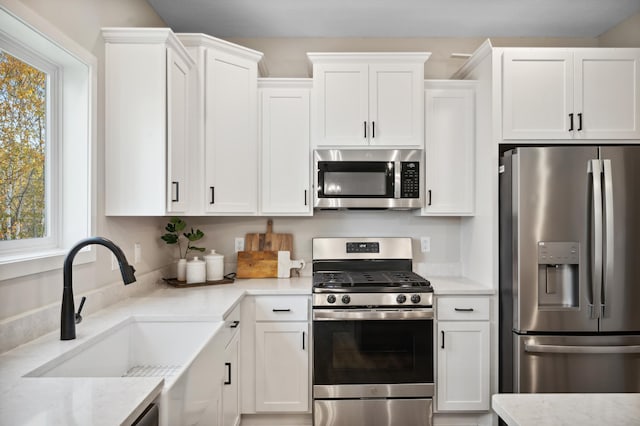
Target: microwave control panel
(410, 179)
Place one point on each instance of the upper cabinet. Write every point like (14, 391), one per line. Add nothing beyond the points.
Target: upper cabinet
(449, 148)
(225, 122)
(147, 143)
(285, 175)
(370, 99)
(575, 94)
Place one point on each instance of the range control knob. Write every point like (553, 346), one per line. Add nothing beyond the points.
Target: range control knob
(331, 298)
(401, 298)
(415, 298)
(346, 299)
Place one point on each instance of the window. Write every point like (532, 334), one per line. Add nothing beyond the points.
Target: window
(47, 134)
(25, 152)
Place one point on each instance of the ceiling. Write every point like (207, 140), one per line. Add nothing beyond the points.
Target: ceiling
(395, 18)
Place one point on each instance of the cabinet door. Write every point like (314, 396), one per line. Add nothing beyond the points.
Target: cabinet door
(177, 132)
(285, 152)
(449, 151)
(231, 139)
(607, 89)
(395, 104)
(537, 94)
(463, 366)
(342, 103)
(230, 386)
(282, 367)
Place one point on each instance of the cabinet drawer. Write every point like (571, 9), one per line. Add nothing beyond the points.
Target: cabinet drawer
(282, 308)
(462, 308)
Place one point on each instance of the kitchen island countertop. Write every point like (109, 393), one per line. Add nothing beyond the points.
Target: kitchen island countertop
(568, 409)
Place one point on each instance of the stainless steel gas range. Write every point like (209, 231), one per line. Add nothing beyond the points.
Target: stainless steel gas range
(373, 334)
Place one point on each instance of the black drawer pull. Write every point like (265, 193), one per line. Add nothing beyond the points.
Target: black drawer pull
(234, 324)
(228, 365)
(442, 346)
(373, 132)
(579, 121)
(365, 129)
(303, 333)
(177, 186)
(463, 309)
(571, 121)
(281, 310)
(213, 195)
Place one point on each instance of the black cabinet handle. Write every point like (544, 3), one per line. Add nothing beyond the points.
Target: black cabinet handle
(463, 309)
(571, 121)
(373, 131)
(429, 197)
(228, 381)
(579, 121)
(305, 197)
(213, 194)
(365, 129)
(234, 324)
(442, 346)
(303, 333)
(281, 310)
(177, 186)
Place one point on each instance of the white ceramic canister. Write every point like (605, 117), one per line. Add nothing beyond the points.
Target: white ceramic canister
(196, 271)
(182, 270)
(215, 266)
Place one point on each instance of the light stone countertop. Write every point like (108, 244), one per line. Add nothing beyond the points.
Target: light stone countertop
(459, 286)
(38, 401)
(569, 409)
(112, 401)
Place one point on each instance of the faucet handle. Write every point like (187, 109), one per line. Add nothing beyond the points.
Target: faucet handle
(78, 317)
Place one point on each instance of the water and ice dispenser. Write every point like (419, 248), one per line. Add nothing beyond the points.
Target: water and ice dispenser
(558, 279)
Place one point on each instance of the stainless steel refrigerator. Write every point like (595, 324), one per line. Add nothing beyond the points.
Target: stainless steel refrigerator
(570, 269)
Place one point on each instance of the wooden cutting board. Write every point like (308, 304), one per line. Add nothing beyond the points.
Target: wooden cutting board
(268, 241)
(257, 264)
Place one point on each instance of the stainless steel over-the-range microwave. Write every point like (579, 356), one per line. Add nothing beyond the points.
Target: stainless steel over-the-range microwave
(368, 178)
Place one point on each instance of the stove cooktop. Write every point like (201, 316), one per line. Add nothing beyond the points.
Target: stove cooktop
(370, 281)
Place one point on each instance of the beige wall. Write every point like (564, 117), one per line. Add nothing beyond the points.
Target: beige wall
(286, 57)
(625, 34)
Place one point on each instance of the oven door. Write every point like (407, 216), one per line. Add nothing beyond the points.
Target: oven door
(372, 353)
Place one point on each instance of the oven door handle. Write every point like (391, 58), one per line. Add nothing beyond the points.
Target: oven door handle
(370, 314)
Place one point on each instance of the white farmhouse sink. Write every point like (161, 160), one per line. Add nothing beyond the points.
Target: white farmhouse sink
(180, 351)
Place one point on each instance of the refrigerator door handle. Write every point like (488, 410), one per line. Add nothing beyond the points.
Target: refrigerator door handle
(609, 233)
(562, 349)
(595, 169)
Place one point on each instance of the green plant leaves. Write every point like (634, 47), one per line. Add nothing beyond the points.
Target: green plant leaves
(194, 236)
(170, 238)
(173, 228)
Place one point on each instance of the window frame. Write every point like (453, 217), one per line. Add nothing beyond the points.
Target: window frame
(73, 82)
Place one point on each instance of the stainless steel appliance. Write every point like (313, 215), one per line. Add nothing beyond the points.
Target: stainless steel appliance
(373, 334)
(368, 179)
(570, 269)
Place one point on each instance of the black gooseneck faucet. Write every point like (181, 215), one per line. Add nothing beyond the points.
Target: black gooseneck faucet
(68, 317)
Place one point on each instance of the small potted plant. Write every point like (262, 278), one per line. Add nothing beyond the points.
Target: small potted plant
(175, 235)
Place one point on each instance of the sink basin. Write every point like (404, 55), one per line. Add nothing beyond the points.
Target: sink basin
(180, 351)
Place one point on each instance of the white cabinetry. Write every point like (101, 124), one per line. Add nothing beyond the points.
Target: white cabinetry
(571, 93)
(226, 123)
(284, 147)
(449, 148)
(230, 386)
(462, 345)
(282, 354)
(147, 142)
(368, 99)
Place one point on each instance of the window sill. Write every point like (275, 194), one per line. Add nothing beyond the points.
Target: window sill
(20, 265)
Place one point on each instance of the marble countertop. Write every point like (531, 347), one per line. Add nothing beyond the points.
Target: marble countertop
(459, 286)
(110, 401)
(38, 401)
(591, 409)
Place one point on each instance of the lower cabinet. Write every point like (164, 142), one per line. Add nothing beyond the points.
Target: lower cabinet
(282, 366)
(463, 353)
(275, 357)
(230, 385)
